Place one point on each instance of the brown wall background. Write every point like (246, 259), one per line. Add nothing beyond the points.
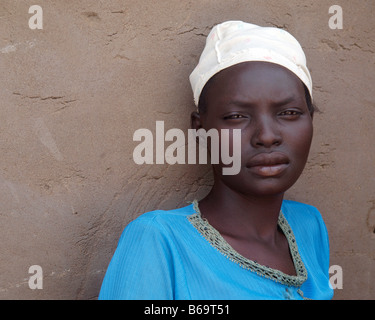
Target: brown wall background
(73, 94)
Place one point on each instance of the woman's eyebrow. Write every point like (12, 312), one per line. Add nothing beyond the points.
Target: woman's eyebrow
(239, 103)
(285, 101)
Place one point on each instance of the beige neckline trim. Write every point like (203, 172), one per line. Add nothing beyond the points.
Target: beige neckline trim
(219, 243)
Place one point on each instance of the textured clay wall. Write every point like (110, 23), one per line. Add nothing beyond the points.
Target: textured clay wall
(73, 93)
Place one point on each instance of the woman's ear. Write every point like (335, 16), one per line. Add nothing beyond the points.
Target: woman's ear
(196, 122)
(312, 116)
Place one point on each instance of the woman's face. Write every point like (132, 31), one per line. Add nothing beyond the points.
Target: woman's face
(267, 102)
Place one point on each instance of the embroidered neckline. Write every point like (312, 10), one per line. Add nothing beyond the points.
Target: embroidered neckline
(219, 243)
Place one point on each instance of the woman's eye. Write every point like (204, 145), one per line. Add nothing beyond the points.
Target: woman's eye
(291, 113)
(233, 116)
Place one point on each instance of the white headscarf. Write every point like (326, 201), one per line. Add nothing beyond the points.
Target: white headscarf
(233, 42)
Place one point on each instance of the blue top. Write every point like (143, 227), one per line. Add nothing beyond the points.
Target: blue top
(176, 254)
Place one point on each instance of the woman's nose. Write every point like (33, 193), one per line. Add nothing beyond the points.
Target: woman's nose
(266, 134)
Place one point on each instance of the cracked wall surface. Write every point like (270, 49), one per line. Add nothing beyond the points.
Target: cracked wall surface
(73, 94)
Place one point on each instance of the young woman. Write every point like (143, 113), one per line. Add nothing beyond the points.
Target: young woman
(243, 240)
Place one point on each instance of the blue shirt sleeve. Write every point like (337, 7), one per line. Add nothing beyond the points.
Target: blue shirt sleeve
(142, 266)
(322, 252)
(313, 244)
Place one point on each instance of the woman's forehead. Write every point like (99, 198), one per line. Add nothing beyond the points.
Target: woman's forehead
(255, 80)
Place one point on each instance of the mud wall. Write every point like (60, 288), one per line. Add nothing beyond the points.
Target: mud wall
(73, 93)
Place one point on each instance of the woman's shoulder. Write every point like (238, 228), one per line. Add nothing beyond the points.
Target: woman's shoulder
(155, 228)
(304, 218)
(162, 219)
(299, 209)
(302, 215)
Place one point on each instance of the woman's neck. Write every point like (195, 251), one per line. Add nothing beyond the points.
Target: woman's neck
(242, 216)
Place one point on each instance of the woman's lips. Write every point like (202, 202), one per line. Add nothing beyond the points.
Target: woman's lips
(269, 171)
(268, 164)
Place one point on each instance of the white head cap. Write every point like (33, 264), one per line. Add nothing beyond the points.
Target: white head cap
(233, 42)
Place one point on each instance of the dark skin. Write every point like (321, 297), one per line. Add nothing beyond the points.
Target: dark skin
(267, 102)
